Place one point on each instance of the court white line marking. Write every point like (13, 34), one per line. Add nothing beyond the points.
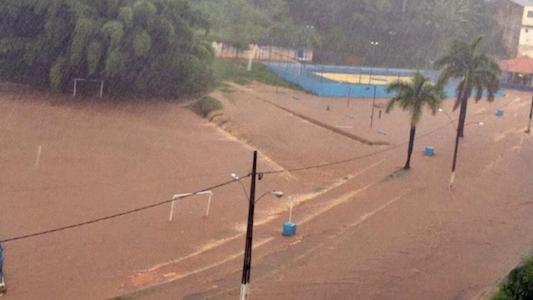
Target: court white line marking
(202, 250)
(504, 134)
(518, 148)
(369, 215)
(171, 278)
(38, 156)
(219, 243)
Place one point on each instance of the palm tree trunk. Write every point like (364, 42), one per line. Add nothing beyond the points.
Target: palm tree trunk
(411, 146)
(462, 114)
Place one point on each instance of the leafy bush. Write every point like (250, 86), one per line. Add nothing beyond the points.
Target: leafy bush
(519, 283)
(208, 105)
(147, 47)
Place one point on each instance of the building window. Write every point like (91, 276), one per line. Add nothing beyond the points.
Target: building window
(530, 14)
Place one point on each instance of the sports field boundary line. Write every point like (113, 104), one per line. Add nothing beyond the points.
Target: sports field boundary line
(316, 122)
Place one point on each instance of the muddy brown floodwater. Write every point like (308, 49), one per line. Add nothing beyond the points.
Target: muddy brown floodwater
(365, 229)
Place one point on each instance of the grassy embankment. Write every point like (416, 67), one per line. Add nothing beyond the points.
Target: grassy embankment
(232, 70)
(519, 284)
(235, 70)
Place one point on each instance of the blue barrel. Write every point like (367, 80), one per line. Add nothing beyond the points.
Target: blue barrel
(500, 113)
(429, 151)
(289, 229)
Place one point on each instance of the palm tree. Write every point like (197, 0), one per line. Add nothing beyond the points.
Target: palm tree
(413, 96)
(475, 72)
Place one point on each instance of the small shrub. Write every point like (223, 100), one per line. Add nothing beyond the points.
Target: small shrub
(226, 88)
(208, 105)
(519, 283)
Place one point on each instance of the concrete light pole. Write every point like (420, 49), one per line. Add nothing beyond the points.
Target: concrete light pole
(373, 44)
(247, 266)
(456, 150)
(530, 117)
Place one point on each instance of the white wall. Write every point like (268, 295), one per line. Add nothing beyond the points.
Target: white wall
(526, 36)
(261, 53)
(527, 18)
(525, 50)
(525, 46)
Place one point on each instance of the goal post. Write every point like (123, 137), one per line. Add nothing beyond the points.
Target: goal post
(176, 197)
(78, 80)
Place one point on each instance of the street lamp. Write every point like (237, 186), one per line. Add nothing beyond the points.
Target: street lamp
(373, 62)
(530, 117)
(441, 110)
(247, 265)
(309, 28)
(275, 193)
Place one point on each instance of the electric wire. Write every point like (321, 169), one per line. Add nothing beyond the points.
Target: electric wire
(113, 216)
(220, 185)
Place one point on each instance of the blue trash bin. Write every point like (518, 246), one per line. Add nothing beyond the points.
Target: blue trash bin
(289, 229)
(429, 151)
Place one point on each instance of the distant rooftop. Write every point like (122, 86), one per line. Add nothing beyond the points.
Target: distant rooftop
(521, 64)
(523, 2)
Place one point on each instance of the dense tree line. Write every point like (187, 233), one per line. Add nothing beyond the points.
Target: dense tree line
(242, 22)
(409, 33)
(144, 47)
(161, 47)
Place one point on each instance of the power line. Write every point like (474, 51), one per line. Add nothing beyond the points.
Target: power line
(339, 162)
(132, 211)
(110, 184)
(113, 216)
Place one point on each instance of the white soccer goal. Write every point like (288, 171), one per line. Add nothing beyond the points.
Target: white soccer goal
(100, 90)
(179, 196)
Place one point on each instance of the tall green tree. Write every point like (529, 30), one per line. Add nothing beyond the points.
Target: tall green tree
(474, 71)
(236, 22)
(240, 23)
(147, 47)
(411, 33)
(413, 97)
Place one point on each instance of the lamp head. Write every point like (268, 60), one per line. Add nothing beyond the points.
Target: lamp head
(278, 194)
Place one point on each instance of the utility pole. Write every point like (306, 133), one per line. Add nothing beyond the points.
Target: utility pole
(373, 108)
(349, 96)
(530, 117)
(373, 44)
(247, 266)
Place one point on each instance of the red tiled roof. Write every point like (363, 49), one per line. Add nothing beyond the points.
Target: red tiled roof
(522, 64)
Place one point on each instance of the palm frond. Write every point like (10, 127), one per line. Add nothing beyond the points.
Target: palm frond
(390, 105)
(414, 95)
(476, 71)
(397, 86)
